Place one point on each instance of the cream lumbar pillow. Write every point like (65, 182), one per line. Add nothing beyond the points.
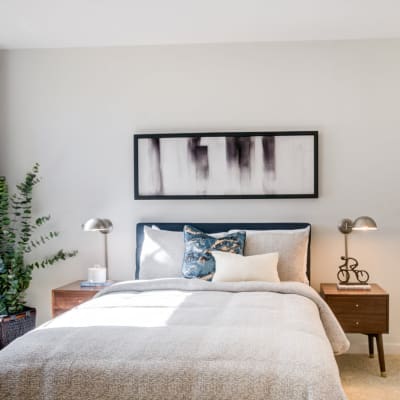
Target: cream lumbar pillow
(235, 268)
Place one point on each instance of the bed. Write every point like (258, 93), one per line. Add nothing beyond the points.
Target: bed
(176, 338)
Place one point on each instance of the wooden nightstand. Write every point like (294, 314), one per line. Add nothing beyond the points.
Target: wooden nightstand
(66, 297)
(361, 311)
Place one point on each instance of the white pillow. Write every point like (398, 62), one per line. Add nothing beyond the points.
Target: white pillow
(231, 267)
(162, 254)
(291, 245)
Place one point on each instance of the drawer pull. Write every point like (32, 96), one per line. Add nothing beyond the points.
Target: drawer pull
(357, 323)
(356, 305)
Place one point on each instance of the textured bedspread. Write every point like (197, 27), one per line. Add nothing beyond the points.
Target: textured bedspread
(182, 339)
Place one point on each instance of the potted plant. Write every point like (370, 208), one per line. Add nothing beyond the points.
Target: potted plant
(20, 235)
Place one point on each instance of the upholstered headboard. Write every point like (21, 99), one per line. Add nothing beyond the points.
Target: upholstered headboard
(219, 227)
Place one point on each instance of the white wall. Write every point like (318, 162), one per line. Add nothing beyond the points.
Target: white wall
(75, 111)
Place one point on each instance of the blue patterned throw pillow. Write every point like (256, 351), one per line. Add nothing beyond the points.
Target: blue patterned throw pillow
(198, 260)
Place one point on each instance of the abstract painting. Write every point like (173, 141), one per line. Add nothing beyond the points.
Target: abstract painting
(226, 165)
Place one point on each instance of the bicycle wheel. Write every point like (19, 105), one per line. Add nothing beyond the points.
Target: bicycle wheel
(343, 276)
(362, 276)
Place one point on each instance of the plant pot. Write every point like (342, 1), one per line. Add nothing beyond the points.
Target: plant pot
(13, 326)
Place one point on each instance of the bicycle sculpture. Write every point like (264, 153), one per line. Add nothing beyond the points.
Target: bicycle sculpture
(350, 264)
(344, 271)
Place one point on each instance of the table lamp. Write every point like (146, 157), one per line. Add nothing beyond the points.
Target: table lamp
(101, 225)
(346, 226)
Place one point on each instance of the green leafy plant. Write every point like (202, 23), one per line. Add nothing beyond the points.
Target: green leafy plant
(17, 238)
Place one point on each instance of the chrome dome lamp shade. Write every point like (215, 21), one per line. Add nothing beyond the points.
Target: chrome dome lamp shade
(346, 226)
(102, 225)
(364, 223)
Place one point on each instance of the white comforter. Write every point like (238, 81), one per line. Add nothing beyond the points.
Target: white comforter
(182, 339)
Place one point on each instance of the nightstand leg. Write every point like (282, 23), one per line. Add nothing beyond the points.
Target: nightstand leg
(371, 345)
(381, 354)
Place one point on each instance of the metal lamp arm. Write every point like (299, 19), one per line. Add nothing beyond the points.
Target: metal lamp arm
(106, 254)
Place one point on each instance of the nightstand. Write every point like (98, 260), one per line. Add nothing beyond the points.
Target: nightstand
(361, 311)
(66, 297)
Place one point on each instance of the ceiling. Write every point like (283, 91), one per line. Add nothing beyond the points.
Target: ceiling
(82, 23)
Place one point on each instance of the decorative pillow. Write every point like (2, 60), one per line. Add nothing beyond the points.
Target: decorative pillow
(162, 254)
(234, 267)
(290, 244)
(198, 260)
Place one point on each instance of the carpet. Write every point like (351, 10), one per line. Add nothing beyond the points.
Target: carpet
(361, 377)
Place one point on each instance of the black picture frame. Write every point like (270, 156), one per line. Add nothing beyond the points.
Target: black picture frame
(158, 142)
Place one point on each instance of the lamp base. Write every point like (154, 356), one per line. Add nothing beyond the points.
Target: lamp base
(353, 286)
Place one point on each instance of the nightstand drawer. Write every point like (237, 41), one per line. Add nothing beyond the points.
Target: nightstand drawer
(352, 323)
(361, 314)
(68, 296)
(360, 305)
(65, 300)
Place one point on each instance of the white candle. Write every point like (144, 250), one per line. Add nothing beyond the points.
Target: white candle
(97, 274)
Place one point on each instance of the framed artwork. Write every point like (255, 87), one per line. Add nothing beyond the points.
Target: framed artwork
(226, 165)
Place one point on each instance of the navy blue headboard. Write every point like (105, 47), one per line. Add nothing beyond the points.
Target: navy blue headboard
(218, 227)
